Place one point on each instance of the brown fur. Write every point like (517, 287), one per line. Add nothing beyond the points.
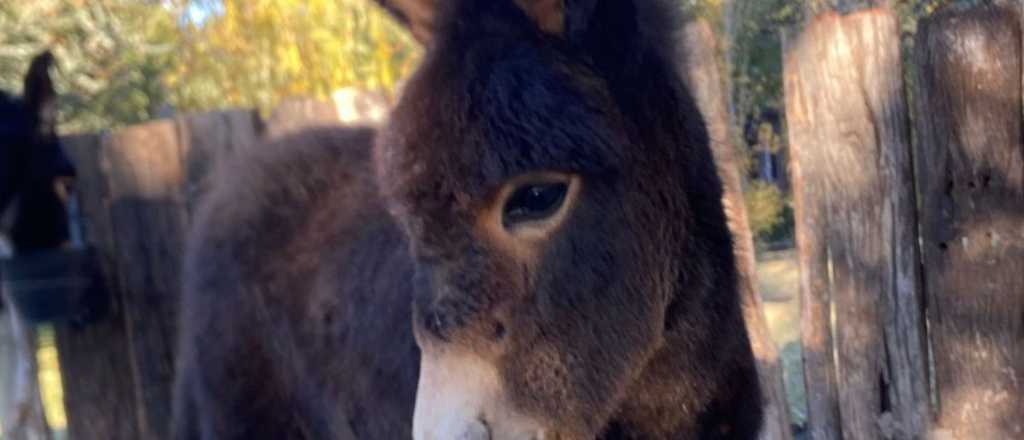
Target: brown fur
(309, 271)
(285, 315)
(548, 14)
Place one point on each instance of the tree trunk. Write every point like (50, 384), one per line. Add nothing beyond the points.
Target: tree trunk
(734, 15)
(707, 86)
(971, 177)
(862, 323)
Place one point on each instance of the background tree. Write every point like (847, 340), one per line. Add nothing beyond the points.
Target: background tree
(254, 53)
(112, 56)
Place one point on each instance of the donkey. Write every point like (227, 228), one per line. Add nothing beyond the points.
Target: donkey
(34, 171)
(534, 247)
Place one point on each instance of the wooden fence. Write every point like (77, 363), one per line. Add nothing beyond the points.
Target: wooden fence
(138, 187)
(910, 224)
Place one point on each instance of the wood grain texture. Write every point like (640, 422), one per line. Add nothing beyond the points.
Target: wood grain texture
(702, 74)
(99, 391)
(137, 187)
(863, 327)
(297, 114)
(144, 172)
(971, 176)
(809, 200)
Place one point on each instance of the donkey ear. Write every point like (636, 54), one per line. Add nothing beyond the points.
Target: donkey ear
(585, 22)
(565, 18)
(40, 97)
(418, 16)
(610, 30)
(548, 15)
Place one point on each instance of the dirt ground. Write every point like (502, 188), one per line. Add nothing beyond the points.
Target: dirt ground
(778, 276)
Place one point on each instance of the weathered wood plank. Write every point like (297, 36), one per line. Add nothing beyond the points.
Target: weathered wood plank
(99, 392)
(706, 83)
(145, 177)
(809, 200)
(971, 177)
(863, 321)
(296, 114)
(136, 187)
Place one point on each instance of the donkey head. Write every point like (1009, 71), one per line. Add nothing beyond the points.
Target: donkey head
(549, 169)
(34, 171)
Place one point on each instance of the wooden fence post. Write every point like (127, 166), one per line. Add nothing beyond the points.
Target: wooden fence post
(145, 177)
(809, 199)
(96, 371)
(297, 114)
(704, 79)
(137, 187)
(971, 177)
(866, 374)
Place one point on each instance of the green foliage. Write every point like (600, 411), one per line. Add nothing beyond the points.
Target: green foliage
(756, 52)
(768, 211)
(111, 55)
(710, 10)
(124, 61)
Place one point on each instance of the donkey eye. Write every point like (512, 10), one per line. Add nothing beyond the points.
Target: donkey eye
(533, 202)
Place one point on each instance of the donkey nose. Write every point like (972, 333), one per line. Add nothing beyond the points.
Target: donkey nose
(475, 431)
(457, 429)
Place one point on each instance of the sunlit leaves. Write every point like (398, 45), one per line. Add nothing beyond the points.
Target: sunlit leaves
(111, 55)
(255, 53)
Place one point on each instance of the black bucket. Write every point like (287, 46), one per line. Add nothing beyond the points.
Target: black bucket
(61, 285)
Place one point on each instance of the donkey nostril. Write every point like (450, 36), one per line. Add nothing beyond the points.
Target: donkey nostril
(477, 430)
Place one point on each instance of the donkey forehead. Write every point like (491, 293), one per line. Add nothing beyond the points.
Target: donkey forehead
(479, 113)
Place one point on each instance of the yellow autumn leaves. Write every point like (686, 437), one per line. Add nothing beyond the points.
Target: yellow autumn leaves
(127, 61)
(255, 53)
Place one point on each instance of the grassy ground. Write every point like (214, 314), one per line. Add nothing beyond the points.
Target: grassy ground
(778, 275)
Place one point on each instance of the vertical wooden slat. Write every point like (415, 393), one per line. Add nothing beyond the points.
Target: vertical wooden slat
(810, 199)
(705, 81)
(971, 177)
(903, 378)
(296, 114)
(137, 186)
(862, 324)
(96, 372)
(144, 172)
